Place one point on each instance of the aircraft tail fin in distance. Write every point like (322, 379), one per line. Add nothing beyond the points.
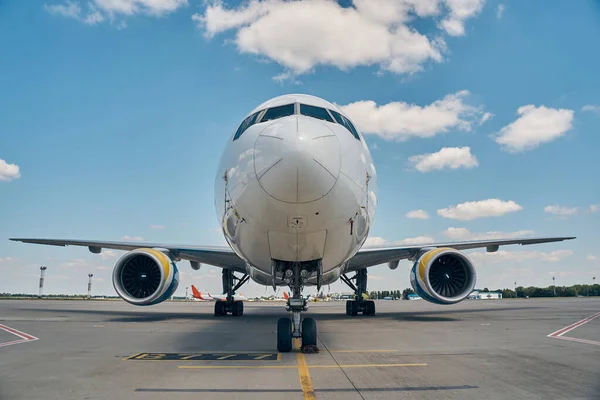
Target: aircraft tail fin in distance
(196, 293)
(285, 295)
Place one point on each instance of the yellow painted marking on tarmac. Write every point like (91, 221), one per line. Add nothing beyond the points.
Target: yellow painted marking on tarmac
(265, 356)
(296, 343)
(226, 357)
(307, 388)
(294, 366)
(131, 357)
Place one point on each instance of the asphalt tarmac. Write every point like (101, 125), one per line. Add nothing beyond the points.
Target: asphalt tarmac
(478, 349)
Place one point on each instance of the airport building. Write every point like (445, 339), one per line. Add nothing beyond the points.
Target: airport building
(476, 295)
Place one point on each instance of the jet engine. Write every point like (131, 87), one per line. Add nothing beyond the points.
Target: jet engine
(145, 277)
(443, 276)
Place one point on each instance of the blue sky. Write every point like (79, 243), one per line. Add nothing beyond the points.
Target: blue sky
(114, 114)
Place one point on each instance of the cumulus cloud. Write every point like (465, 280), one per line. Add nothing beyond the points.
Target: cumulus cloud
(460, 10)
(591, 107)
(500, 11)
(447, 157)
(401, 121)
(132, 238)
(100, 10)
(485, 117)
(561, 210)
(417, 214)
(594, 208)
(535, 125)
(502, 256)
(108, 254)
(479, 209)
(157, 227)
(8, 172)
(302, 34)
(591, 257)
(379, 241)
(465, 234)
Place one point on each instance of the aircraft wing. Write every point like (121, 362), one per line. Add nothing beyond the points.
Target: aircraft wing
(370, 256)
(219, 256)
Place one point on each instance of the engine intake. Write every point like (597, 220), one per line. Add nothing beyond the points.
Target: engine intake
(443, 276)
(145, 277)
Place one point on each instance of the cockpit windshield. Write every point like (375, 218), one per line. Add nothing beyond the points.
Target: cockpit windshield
(315, 112)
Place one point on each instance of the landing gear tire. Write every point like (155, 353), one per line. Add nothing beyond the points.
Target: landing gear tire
(309, 332)
(284, 335)
(369, 308)
(353, 308)
(219, 308)
(237, 308)
(348, 307)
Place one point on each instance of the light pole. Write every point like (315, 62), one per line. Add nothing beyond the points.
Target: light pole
(42, 273)
(554, 285)
(90, 286)
(516, 295)
(186, 293)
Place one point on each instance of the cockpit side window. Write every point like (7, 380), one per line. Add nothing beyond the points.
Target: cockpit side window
(278, 112)
(315, 112)
(247, 123)
(346, 123)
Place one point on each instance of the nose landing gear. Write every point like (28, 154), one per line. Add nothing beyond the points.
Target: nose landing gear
(296, 327)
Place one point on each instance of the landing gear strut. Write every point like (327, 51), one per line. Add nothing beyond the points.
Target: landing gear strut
(229, 305)
(296, 275)
(360, 304)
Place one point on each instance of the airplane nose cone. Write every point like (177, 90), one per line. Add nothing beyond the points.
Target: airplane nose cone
(297, 159)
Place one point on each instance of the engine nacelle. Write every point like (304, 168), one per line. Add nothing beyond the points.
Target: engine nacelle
(443, 276)
(144, 277)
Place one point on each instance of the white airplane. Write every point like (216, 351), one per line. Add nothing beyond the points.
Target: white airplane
(295, 195)
(237, 307)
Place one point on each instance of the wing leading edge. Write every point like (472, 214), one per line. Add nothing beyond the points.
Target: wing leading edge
(218, 256)
(370, 256)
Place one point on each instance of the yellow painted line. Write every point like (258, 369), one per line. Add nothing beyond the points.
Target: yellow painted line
(130, 357)
(294, 367)
(307, 388)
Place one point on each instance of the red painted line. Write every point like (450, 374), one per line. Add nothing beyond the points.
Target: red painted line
(569, 328)
(25, 337)
(572, 339)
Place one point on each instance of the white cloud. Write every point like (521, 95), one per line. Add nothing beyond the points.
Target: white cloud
(500, 11)
(300, 35)
(465, 234)
(535, 125)
(8, 172)
(591, 107)
(479, 209)
(503, 256)
(417, 214)
(485, 117)
(460, 10)
(401, 121)
(107, 254)
(379, 241)
(132, 238)
(375, 241)
(447, 157)
(157, 227)
(591, 257)
(415, 240)
(594, 208)
(561, 210)
(100, 10)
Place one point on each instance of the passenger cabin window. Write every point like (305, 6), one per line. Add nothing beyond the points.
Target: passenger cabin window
(247, 123)
(278, 112)
(346, 123)
(315, 112)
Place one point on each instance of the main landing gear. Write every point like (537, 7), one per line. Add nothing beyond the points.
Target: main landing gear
(296, 275)
(360, 304)
(229, 305)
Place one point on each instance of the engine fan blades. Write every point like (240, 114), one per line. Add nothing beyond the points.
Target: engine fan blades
(448, 276)
(140, 277)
